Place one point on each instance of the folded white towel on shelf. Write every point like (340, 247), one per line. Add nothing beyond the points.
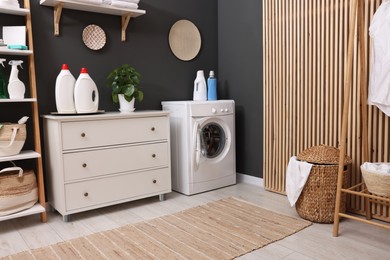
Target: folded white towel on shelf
(97, 2)
(127, 1)
(106, 2)
(10, 3)
(296, 177)
(124, 5)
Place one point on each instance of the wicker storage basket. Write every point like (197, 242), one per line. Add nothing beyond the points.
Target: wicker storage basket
(318, 198)
(18, 190)
(12, 138)
(376, 182)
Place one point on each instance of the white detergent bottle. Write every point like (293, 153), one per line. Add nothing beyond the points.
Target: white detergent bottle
(86, 95)
(200, 88)
(65, 84)
(16, 88)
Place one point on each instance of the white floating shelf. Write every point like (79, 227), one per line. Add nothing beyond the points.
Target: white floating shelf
(58, 5)
(7, 100)
(89, 7)
(23, 155)
(6, 51)
(14, 11)
(36, 209)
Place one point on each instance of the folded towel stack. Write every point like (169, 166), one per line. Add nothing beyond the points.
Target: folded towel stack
(9, 3)
(127, 4)
(97, 2)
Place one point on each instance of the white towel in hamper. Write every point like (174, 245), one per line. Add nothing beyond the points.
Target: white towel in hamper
(379, 83)
(377, 167)
(296, 177)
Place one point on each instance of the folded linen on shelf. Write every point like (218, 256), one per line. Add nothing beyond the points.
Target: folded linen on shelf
(127, 1)
(10, 3)
(97, 2)
(124, 5)
(296, 177)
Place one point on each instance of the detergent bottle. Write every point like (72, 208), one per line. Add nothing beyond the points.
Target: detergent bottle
(64, 92)
(200, 88)
(86, 95)
(3, 81)
(16, 88)
(212, 86)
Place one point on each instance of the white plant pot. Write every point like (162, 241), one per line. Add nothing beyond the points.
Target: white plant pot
(124, 105)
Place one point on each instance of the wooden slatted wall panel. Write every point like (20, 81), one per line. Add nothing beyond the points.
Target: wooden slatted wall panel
(305, 43)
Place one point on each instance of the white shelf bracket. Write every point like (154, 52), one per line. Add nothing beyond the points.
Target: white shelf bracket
(57, 18)
(125, 23)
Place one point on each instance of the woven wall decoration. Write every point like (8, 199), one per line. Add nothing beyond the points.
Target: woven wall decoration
(94, 37)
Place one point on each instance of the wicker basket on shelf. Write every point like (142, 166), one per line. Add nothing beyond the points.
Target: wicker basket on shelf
(318, 198)
(376, 182)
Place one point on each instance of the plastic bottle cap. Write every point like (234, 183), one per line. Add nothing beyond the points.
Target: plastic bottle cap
(211, 73)
(65, 67)
(84, 70)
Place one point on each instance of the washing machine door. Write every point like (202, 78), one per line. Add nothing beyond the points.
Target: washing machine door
(212, 140)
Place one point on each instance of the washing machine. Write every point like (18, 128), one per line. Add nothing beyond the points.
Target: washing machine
(202, 145)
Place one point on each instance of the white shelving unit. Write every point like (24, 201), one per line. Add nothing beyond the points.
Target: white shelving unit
(39, 207)
(6, 51)
(58, 5)
(36, 209)
(25, 100)
(23, 155)
(14, 11)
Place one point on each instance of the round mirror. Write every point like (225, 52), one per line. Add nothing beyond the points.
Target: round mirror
(184, 40)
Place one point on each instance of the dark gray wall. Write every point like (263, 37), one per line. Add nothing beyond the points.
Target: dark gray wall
(164, 77)
(240, 76)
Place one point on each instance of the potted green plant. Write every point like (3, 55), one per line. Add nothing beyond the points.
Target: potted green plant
(124, 82)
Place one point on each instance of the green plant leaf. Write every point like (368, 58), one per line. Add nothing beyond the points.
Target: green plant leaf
(115, 98)
(125, 80)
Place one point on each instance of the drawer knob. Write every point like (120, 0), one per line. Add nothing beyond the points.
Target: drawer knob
(84, 165)
(86, 194)
(153, 129)
(82, 134)
(154, 181)
(154, 155)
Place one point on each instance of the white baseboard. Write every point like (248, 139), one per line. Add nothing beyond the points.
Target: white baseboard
(244, 178)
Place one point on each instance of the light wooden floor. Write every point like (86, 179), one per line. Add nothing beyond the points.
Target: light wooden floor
(356, 240)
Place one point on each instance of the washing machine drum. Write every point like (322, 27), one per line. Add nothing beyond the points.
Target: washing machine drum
(213, 140)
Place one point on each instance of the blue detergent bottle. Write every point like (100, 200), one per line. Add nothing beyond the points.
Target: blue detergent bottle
(211, 86)
(3, 81)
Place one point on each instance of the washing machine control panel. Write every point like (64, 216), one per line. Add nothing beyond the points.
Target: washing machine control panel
(222, 109)
(212, 108)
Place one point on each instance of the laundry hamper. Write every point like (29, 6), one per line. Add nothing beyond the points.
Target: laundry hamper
(18, 190)
(318, 198)
(377, 183)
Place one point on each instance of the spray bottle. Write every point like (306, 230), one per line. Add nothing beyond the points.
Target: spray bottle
(3, 81)
(16, 88)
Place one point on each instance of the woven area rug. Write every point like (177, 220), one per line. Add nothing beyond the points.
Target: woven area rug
(223, 229)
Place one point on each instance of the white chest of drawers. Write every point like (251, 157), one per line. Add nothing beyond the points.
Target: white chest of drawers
(94, 161)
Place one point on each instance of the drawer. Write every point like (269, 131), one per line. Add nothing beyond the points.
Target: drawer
(112, 190)
(80, 165)
(95, 133)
